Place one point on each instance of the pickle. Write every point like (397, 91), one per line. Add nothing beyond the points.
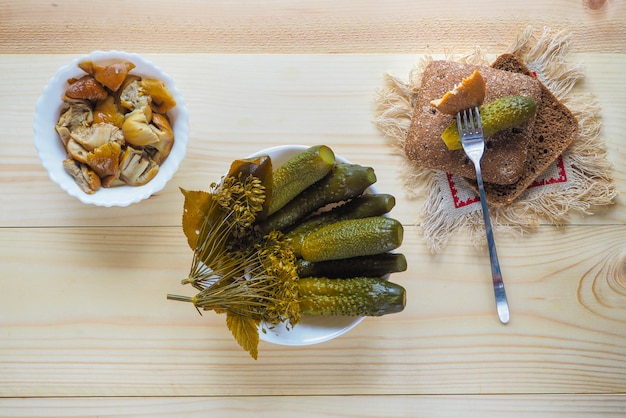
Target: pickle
(363, 206)
(352, 238)
(298, 173)
(498, 115)
(358, 296)
(344, 182)
(376, 265)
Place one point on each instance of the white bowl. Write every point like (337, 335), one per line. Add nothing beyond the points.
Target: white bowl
(51, 150)
(311, 330)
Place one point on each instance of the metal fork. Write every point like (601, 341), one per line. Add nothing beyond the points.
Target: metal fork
(471, 131)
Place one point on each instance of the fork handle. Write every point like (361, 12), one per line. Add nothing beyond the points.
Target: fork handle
(502, 305)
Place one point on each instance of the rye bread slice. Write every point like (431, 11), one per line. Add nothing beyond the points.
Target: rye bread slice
(555, 129)
(505, 153)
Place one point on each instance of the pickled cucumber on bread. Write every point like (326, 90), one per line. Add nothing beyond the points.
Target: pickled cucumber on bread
(503, 113)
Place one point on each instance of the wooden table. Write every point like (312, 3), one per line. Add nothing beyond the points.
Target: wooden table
(85, 329)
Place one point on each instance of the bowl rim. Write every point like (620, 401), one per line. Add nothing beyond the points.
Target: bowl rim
(51, 152)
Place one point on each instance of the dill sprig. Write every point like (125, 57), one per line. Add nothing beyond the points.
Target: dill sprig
(244, 198)
(279, 262)
(236, 269)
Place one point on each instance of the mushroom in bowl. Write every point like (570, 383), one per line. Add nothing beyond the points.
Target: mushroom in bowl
(111, 128)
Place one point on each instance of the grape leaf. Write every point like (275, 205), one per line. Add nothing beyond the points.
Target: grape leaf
(245, 330)
(195, 208)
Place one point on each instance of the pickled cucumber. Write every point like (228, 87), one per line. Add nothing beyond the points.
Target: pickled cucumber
(363, 206)
(298, 173)
(359, 296)
(345, 181)
(498, 115)
(376, 265)
(353, 238)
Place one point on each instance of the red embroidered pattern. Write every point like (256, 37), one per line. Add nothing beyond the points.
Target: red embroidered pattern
(562, 178)
(459, 203)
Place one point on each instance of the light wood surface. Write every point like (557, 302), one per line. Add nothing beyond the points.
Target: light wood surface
(85, 329)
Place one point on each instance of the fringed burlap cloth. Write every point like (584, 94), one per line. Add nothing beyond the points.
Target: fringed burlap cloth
(579, 180)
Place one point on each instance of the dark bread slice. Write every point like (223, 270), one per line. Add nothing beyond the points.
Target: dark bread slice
(505, 153)
(555, 129)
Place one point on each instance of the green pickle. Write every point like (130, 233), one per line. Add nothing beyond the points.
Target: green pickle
(376, 265)
(344, 182)
(358, 296)
(298, 173)
(498, 115)
(363, 206)
(353, 238)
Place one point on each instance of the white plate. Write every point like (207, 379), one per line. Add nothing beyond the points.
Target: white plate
(51, 150)
(311, 330)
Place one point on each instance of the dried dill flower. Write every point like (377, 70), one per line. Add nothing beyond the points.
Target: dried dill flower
(278, 264)
(244, 198)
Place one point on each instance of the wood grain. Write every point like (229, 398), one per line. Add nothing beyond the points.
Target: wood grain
(431, 406)
(91, 315)
(323, 26)
(85, 329)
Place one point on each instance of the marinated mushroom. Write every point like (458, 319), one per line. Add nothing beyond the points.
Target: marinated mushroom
(85, 88)
(91, 137)
(85, 178)
(108, 111)
(133, 97)
(137, 131)
(162, 100)
(105, 160)
(110, 76)
(118, 94)
(136, 167)
(77, 115)
(76, 151)
(112, 181)
(161, 127)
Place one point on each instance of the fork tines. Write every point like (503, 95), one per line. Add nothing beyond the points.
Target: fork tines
(471, 120)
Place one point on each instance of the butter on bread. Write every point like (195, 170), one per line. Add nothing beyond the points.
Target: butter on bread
(505, 154)
(555, 129)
